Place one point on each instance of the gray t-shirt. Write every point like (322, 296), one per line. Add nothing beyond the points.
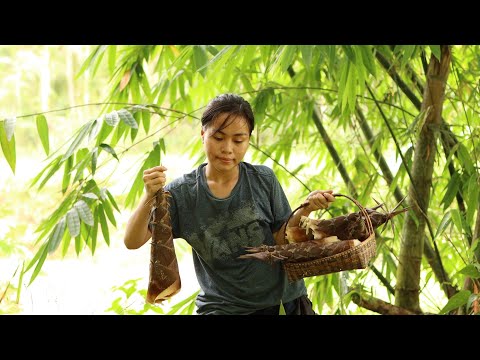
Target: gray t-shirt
(219, 229)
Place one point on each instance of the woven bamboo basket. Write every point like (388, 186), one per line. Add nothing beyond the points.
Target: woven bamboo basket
(357, 257)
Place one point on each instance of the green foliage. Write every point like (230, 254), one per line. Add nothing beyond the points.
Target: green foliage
(125, 303)
(307, 102)
(7, 142)
(457, 300)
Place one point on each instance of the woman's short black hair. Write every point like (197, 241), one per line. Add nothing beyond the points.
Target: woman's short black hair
(232, 104)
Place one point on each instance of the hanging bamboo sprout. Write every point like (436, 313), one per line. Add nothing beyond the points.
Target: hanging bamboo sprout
(317, 238)
(164, 276)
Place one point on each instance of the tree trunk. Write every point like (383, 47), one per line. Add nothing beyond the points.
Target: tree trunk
(408, 272)
(428, 251)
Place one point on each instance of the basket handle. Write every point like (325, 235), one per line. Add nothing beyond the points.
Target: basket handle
(368, 221)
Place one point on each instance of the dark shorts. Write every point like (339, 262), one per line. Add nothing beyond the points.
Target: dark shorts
(299, 306)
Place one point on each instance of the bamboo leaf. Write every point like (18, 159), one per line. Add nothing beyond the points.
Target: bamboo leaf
(112, 200)
(212, 50)
(20, 282)
(246, 83)
(94, 159)
(436, 51)
(175, 308)
(457, 300)
(112, 118)
(457, 219)
(200, 59)
(55, 217)
(39, 175)
(65, 242)
(54, 168)
(287, 57)
(135, 190)
(306, 51)
(332, 55)
(119, 131)
(471, 271)
(344, 70)
(451, 192)
(103, 194)
(153, 159)
(110, 150)
(163, 149)
(90, 195)
(127, 118)
(42, 129)
(350, 53)
(249, 53)
(465, 158)
(9, 124)
(56, 235)
(282, 309)
(66, 174)
(443, 224)
(473, 248)
(103, 224)
(408, 51)
(125, 79)
(83, 157)
(105, 130)
(78, 244)
(73, 222)
(76, 143)
(112, 56)
(84, 212)
(146, 121)
(217, 62)
(36, 257)
(108, 210)
(96, 54)
(471, 299)
(368, 59)
(8, 148)
(95, 231)
(94, 130)
(472, 197)
(43, 252)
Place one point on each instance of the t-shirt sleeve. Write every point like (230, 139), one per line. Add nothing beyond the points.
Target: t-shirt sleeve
(280, 207)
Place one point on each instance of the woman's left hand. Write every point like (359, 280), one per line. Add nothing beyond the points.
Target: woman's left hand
(318, 199)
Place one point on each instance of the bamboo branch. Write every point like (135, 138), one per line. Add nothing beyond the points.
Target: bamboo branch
(333, 152)
(411, 73)
(413, 76)
(384, 281)
(401, 84)
(367, 132)
(282, 166)
(380, 306)
(328, 143)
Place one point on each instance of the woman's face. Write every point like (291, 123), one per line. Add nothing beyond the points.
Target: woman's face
(227, 147)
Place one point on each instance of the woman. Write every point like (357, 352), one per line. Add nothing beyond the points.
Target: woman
(224, 206)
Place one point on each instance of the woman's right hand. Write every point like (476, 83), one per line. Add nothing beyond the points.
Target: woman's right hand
(154, 179)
